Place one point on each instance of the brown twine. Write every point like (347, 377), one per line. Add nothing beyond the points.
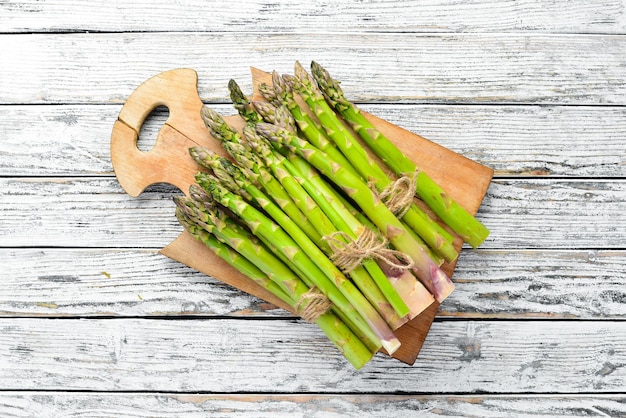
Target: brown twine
(398, 196)
(348, 253)
(312, 305)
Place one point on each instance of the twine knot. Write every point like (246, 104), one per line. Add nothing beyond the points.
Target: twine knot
(398, 196)
(349, 253)
(312, 305)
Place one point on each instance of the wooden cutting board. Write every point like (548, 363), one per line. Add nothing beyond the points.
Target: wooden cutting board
(169, 162)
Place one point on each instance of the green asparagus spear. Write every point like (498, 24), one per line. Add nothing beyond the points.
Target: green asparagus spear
(437, 282)
(321, 207)
(353, 223)
(232, 257)
(242, 104)
(432, 233)
(412, 292)
(368, 277)
(311, 130)
(233, 178)
(269, 94)
(454, 215)
(203, 199)
(233, 143)
(293, 289)
(320, 271)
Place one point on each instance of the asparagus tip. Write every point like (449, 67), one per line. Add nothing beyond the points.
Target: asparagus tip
(266, 130)
(299, 71)
(178, 200)
(276, 78)
(266, 110)
(209, 115)
(269, 93)
(289, 80)
(329, 87)
(197, 193)
(285, 119)
(282, 88)
(236, 94)
(204, 156)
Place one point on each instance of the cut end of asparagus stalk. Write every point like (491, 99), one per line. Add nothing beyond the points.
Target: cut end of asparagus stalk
(391, 346)
(441, 284)
(412, 291)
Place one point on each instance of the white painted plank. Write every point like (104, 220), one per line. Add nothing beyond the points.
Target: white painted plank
(413, 62)
(606, 16)
(476, 68)
(554, 214)
(87, 212)
(489, 284)
(48, 282)
(54, 404)
(524, 140)
(288, 356)
(538, 284)
(513, 140)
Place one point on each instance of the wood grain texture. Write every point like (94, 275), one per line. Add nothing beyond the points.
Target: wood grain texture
(390, 67)
(510, 284)
(524, 213)
(83, 282)
(533, 89)
(273, 356)
(55, 404)
(576, 141)
(539, 284)
(607, 16)
(576, 214)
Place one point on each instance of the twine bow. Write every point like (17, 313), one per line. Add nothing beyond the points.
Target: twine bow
(348, 253)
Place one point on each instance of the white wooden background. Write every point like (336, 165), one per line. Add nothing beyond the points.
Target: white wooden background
(94, 322)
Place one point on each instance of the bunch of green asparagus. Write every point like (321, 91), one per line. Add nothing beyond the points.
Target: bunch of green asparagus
(304, 211)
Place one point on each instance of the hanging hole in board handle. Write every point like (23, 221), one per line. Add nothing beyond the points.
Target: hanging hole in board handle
(151, 127)
(168, 161)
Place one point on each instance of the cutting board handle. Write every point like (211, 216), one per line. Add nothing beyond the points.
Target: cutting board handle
(168, 161)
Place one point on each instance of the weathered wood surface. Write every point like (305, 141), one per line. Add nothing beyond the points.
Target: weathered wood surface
(533, 89)
(434, 68)
(576, 141)
(226, 355)
(606, 16)
(515, 284)
(521, 213)
(54, 404)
